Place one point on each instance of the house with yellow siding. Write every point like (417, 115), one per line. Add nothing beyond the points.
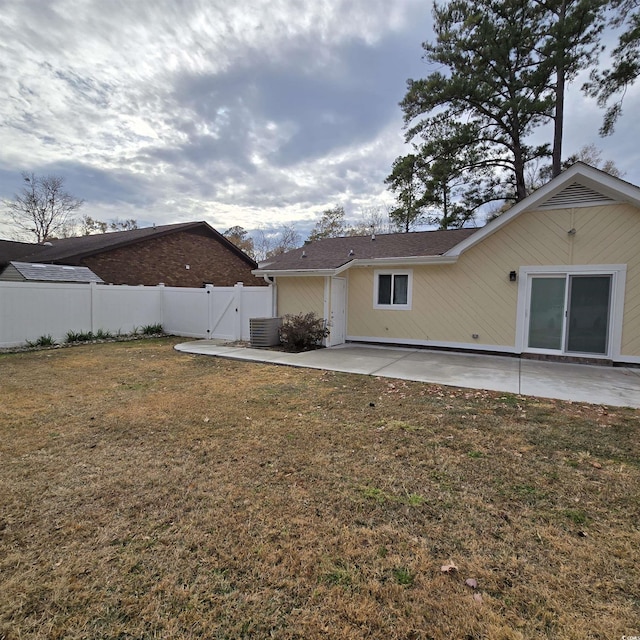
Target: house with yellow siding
(557, 275)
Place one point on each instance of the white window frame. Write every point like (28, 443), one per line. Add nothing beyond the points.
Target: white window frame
(393, 272)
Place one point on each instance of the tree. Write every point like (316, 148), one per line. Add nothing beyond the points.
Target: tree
(287, 240)
(442, 188)
(330, 225)
(505, 67)
(123, 225)
(589, 154)
(571, 44)
(372, 220)
(274, 242)
(241, 238)
(406, 181)
(43, 208)
(455, 181)
(625, 64)
(90, 226)
(494, 83)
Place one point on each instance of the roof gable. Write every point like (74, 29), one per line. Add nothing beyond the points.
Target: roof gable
(579, 186)
(576, 195)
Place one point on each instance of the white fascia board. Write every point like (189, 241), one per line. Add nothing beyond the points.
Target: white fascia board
(399, 262)
(373, 262)
(293, 272)
(579, 172)
(613, 187)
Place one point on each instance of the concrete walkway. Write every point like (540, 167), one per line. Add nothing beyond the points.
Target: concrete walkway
(618, 386)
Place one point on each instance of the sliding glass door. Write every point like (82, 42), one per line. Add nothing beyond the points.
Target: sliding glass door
(546, 312)
(588, 314)
(570, 313)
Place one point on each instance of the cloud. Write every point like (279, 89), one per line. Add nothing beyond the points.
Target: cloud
(205, 100)
(254, 113)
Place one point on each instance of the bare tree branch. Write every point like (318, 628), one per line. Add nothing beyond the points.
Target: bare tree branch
(43, 208)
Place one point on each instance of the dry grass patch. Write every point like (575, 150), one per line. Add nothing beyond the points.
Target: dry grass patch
(146, 493)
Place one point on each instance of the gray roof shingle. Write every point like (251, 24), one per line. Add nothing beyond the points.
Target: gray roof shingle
(54, 272)
(11, 250)
(332, 253)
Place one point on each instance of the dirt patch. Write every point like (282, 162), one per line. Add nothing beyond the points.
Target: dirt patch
(148, 493)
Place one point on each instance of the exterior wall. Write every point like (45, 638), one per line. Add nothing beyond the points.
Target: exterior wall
(474, 296)
(300, 295)
(164, 259)
(11, 274)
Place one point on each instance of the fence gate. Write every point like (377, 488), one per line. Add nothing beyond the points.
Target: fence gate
(230, 309)
(224, 313)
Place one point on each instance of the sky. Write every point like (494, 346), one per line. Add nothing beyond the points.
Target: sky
(258, 113)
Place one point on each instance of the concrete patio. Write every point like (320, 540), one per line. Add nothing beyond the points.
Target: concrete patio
(617, 386)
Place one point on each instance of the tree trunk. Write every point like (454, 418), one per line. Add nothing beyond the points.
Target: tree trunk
(518, 170)
(558, 124)
(445, 208)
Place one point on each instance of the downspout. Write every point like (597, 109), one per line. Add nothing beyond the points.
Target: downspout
(271, 281)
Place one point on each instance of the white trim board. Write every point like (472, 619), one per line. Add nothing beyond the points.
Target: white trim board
(462, 346)
(468, 346)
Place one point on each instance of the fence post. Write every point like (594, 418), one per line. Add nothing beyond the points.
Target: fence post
(161, 287)
(2, 304)
(238, 293)
(209, 289)
(92, 305)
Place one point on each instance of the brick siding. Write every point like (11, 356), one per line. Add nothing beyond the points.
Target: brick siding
(164, 259)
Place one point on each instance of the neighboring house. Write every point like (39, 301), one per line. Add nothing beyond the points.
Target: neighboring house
(188, 254)
(556, 275)
(11, 250)
(35, 272)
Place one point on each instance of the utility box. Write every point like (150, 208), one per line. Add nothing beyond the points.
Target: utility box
(264, 332)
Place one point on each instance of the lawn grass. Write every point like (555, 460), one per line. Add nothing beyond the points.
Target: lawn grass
(146, 493)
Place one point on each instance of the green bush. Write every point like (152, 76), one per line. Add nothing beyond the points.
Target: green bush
(151, 329)
(42, 341)
(76, 337)
(79, 336)
(302, 332)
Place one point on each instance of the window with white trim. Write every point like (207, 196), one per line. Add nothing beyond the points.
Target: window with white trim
(392, 289)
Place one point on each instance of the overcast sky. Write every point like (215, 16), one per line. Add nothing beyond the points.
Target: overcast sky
(254, 112)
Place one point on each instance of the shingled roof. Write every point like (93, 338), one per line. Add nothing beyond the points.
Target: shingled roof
(11, 250)
(332, 253)
(36, 272)
(73, 249)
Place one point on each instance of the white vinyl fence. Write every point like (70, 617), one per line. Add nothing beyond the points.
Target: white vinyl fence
(29, 310)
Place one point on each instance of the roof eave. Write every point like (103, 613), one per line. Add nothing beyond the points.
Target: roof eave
(402, 261)
(294, 272)
(359, 262)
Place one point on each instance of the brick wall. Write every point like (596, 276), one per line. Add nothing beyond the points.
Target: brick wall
(164, 259)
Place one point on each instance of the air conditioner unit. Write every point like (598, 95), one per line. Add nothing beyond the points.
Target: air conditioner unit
(264, 332)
